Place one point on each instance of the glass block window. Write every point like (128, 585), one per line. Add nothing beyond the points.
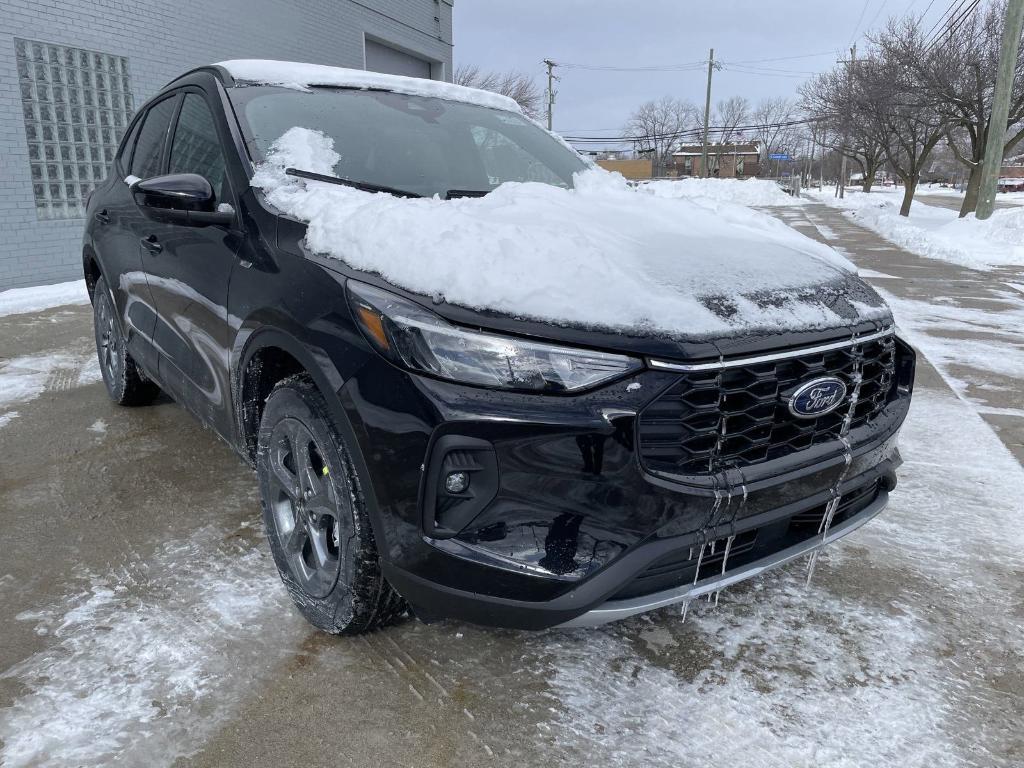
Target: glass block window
(76, 104)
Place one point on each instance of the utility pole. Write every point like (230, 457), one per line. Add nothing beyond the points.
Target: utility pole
(993, 160)
(707, 117)
(842, 155)
(809, 176)
(551, 90)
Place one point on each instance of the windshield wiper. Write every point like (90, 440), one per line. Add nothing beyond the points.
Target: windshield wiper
(451, 194)
(363, 185)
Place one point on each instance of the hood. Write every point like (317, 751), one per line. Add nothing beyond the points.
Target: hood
(603, 257)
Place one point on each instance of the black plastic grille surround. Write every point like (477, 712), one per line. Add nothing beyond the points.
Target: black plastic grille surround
(709, 421)
(680, 567)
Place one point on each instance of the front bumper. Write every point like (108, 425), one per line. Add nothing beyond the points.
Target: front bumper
(614, 610)
(574, 523)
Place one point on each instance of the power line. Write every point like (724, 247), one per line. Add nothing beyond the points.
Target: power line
(803, 74)
(947, 14)
(684, 67)
(833, 52)
(873, 18)
(952, 26)
(860, 19)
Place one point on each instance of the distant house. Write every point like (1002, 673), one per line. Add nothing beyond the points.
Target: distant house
(1012, 170)
(727, 161)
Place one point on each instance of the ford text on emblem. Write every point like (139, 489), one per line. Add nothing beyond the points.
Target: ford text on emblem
(817, 397)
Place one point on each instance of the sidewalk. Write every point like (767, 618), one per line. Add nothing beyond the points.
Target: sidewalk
(968, 323)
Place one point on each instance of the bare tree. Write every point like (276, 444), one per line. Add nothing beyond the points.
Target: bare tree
(891, 97)
(728, 116)
(657, 126)
(771, 116)
(958, 75)
(832, 99)
(515, 85)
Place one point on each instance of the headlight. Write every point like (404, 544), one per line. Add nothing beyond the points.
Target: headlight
(415, 338)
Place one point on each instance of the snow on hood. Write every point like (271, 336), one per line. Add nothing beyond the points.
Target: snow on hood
(292, 74)
(602, 255)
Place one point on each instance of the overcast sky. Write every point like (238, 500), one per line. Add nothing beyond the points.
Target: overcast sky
(519, 34)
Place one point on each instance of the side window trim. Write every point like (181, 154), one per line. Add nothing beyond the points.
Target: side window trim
(127, 148)
(165, 153)
(164, 144)
(174, 129)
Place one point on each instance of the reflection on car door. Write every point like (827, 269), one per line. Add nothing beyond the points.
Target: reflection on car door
(120, 224)
(189, 269)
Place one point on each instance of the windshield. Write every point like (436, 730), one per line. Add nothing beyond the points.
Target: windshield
(421, 144)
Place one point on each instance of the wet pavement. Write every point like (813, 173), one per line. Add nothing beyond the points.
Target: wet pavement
(967, 322)
(142, 621)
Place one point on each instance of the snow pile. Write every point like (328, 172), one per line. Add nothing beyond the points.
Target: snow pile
(600, 255)
(19, 301)
(743, 192)
(290, 74)
(938, 233)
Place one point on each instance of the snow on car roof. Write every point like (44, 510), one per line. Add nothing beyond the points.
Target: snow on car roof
(293, 74)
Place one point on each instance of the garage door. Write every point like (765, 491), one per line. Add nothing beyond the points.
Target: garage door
(383, 58)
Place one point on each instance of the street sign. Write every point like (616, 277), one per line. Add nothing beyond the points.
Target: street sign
(779, 156)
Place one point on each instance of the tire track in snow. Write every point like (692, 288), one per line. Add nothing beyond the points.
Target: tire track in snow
(146, 662)
(386, 648)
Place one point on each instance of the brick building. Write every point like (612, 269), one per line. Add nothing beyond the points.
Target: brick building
(727, 161)
(72, 73)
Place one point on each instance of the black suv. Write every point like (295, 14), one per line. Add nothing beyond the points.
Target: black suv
(621, 473)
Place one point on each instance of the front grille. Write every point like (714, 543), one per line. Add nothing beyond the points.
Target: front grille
(709, 421)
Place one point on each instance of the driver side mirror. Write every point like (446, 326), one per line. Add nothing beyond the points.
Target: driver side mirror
(179, 198)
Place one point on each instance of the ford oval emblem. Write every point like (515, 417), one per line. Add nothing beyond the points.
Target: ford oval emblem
(817, 397)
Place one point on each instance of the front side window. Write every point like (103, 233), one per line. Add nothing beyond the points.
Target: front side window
(421, 144)
(196, 146)
(150, 144)
(76, 104)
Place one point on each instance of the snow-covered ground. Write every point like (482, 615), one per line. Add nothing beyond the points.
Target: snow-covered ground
(936, 232)
(958, 340)
(935, 189)
(18, 301)
(753, 192)
(130, 671)
(23, 379)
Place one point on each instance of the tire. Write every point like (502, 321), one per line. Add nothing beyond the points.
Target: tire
(126, 384)
(316, 520)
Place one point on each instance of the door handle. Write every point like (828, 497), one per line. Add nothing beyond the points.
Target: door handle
(150, 244)
(102, 217)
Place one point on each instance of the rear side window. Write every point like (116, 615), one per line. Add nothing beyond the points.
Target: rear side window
(146, 160)
(196, 146)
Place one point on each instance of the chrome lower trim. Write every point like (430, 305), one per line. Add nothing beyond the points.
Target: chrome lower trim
(614, 610)
(665, 365)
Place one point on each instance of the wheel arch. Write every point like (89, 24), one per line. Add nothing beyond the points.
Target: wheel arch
(91, 270)
(266, 356)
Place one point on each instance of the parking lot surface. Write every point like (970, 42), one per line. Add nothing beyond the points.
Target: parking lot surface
(143, 622)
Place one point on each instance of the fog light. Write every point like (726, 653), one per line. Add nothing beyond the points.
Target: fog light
(456, 482)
